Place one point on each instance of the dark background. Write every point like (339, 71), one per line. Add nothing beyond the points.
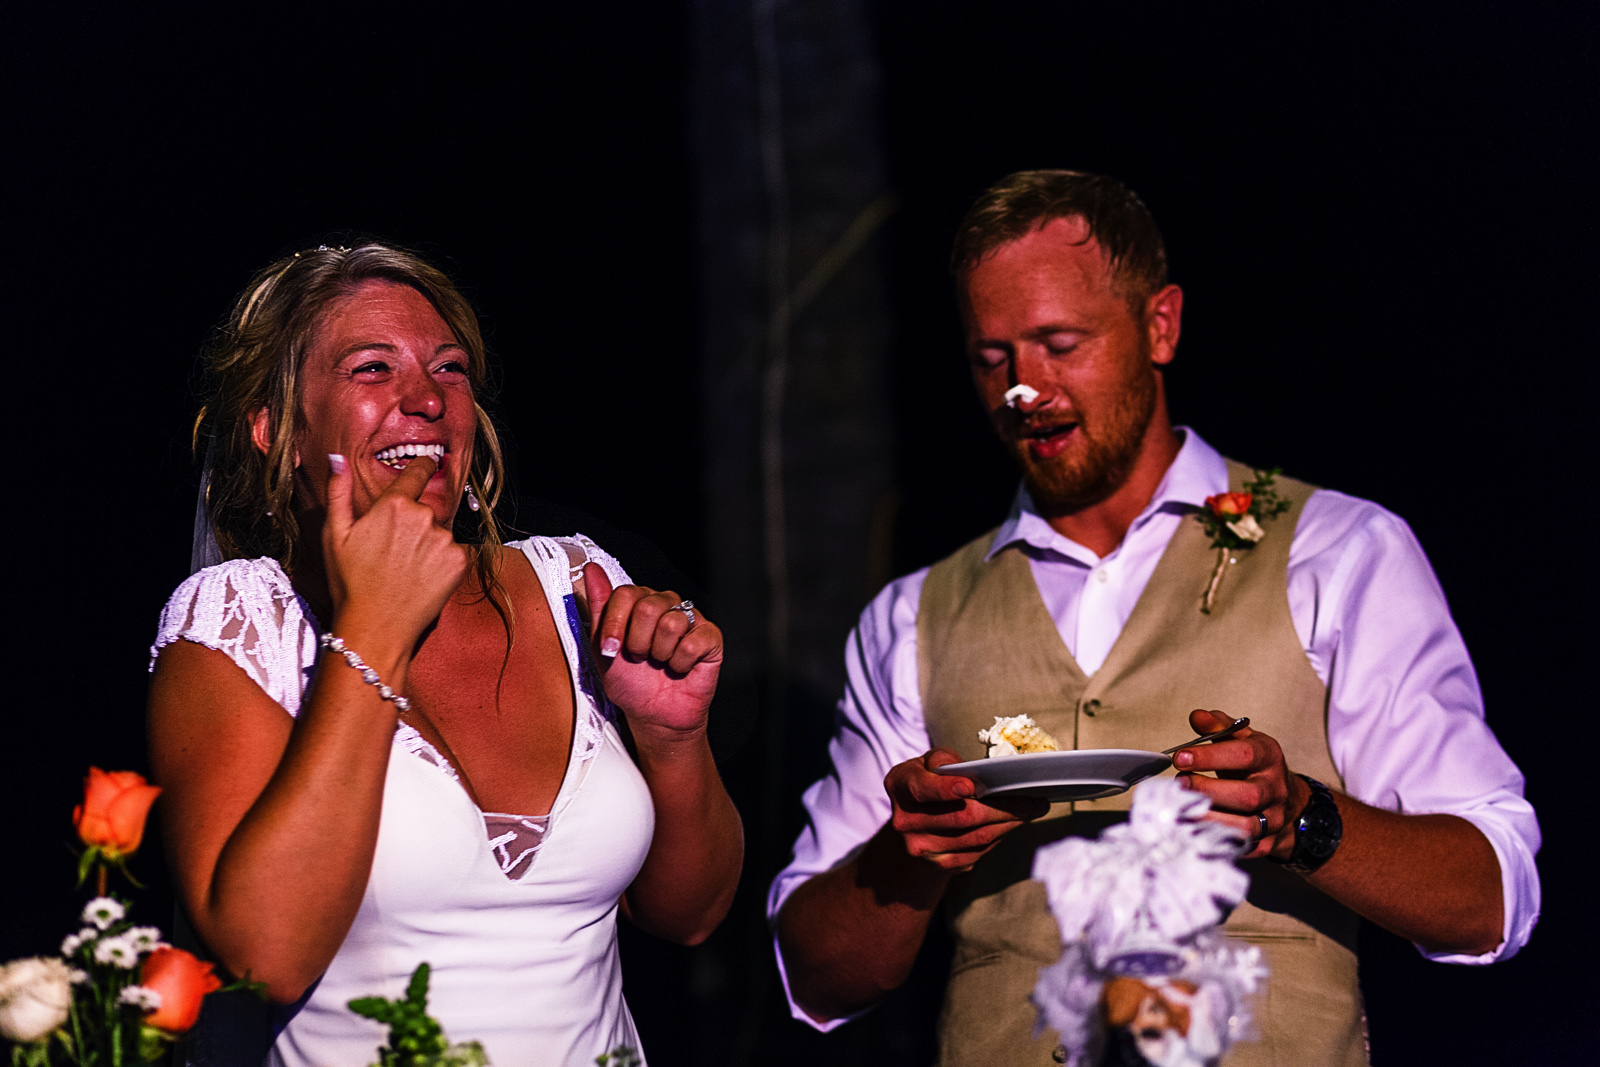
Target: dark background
(1382, 219)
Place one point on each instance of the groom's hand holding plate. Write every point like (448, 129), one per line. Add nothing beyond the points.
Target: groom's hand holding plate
(939, 817)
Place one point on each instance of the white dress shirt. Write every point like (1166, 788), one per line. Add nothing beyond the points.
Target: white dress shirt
(1405, 716)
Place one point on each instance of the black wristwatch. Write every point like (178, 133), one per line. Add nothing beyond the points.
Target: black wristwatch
(1316, 835)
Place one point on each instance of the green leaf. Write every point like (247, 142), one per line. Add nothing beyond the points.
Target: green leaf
(372, 1008)
(153, 1043)
(32, 1054)
(246, 985)
(466, 1054)
(86, 863)
(417, 989)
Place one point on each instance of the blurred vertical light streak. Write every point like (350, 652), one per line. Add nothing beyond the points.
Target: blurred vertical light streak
(769, 126)
(776, 364)
(791, 196)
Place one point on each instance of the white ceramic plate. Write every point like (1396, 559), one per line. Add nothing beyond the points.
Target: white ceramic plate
(1086, 774)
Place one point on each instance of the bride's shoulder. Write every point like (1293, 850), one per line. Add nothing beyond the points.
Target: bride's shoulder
(553, 555)
(559, 563)
(259, 579)
(244, 607)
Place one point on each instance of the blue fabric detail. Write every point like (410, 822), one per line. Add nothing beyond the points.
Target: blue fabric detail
(281, 1015)
(588, 670)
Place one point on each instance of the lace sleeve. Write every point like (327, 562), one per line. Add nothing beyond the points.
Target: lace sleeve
(247, 610)
(581, 550)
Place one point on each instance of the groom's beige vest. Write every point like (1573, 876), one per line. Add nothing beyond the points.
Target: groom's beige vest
(987, 646)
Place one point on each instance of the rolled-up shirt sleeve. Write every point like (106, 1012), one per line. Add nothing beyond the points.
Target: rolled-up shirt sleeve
(1405, 714)
(879, 725)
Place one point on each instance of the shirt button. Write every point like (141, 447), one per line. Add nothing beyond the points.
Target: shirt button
(1101, 576)
(1090, 707)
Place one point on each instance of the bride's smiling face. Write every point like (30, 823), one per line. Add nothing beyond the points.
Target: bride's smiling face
(384, 381)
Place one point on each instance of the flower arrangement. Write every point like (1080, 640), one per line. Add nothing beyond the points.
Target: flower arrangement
(1233, 522)
(415, 1038)
(1144, 976)
(117, 994)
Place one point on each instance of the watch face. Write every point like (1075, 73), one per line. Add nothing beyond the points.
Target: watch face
(1317, 833)
(1320, 831)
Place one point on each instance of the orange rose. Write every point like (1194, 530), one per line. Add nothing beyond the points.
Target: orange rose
(183, 983)
(111, 817)
(1229, 505)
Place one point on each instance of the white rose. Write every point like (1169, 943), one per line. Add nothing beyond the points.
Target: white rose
(1248, 528)
(35, 997)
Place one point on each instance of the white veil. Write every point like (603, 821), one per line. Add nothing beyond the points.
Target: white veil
(236, 1028)
(203, 550)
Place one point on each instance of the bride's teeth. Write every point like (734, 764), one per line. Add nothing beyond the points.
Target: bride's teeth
(396, 455)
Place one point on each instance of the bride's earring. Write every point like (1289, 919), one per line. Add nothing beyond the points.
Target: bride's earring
(472, 499)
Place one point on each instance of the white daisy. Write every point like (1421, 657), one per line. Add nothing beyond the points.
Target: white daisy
(141, 997)
(103, 911)
(117, 951)
(145, 938)
(73, 942)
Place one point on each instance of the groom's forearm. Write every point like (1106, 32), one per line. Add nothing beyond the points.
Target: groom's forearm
(850, 935)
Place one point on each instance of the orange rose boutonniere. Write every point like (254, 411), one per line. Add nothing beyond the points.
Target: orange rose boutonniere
(1233, 522)
(1229, 505)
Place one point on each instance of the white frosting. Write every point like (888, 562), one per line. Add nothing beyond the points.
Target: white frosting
(1025, 393)
(999, 736)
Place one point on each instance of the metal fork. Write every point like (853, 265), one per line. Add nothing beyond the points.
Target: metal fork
(1220, 735)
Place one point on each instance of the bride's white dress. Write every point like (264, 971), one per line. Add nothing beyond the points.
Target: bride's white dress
(515, 914)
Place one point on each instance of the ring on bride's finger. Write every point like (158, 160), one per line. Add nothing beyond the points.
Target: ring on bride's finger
(1262, 819)
(687, 607)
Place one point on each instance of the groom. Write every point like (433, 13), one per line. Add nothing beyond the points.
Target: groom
(1084, 610)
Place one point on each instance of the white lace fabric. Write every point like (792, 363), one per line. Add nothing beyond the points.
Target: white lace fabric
(515, 840)
(249, 611)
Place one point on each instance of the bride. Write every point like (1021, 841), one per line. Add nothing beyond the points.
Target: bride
(380, 744)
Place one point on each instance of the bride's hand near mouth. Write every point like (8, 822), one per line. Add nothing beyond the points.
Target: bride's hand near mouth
(391, 571)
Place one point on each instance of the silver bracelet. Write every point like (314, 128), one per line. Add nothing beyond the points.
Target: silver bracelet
(368, 675)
